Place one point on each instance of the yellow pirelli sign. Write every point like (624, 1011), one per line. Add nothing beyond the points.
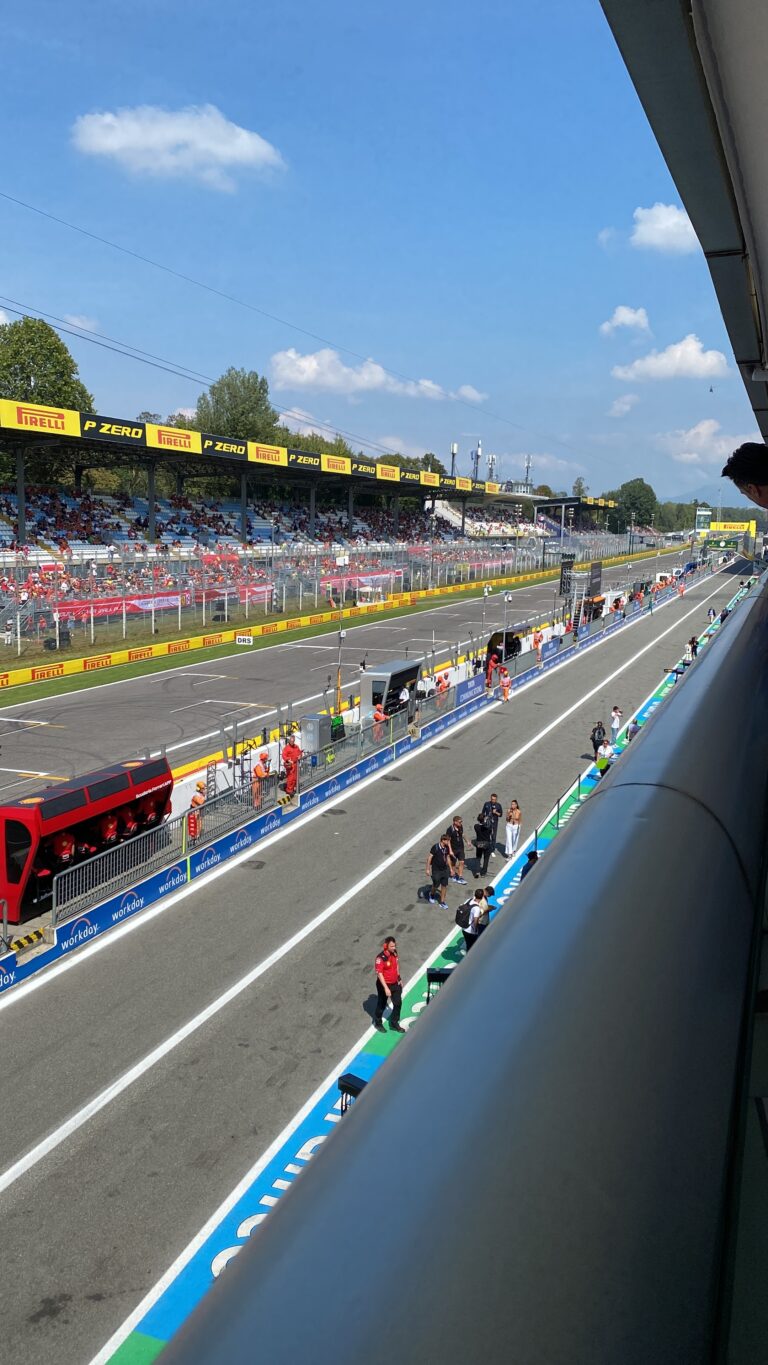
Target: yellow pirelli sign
(388, 471)
(336, 464)
(431, 480)
(465, 485)
(39, 419)
(258, 454)
(174, 440)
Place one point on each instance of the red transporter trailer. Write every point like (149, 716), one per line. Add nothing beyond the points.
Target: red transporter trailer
(42, 834)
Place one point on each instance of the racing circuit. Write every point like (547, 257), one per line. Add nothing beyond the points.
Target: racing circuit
(182, 710)
(150, 1070)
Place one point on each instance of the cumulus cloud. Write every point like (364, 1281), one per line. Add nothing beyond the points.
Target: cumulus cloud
(623, 404)
(664, 227)
(196, 143)
(702, 445)
(636, 319)
(398, 446)
(684, 359)
(325, 371)
(80, 320)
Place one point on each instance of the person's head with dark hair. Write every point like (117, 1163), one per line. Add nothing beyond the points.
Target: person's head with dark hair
(748, 468)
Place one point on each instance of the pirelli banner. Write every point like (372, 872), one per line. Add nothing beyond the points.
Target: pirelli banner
(38, 420)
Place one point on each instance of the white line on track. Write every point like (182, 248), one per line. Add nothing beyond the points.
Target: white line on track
(122, 1083)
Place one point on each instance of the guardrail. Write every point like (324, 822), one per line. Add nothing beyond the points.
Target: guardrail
(577, 1093)
(77, 888)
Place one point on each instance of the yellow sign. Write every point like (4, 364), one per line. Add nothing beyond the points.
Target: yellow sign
(388, 471)
(492, 487)
(39, 420)
(267, 454)
(174, 440)
(431, 480)
(336, 464)
(719, 526)
(464, 484)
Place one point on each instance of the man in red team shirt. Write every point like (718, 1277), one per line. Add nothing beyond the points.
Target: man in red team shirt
(388, 986)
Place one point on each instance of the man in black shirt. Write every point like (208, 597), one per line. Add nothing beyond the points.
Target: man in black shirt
(455, 833)
(440, 862)
(492, 813)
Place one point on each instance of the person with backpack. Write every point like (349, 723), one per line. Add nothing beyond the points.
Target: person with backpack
(469, 915)
(483, 842)
(597, 735)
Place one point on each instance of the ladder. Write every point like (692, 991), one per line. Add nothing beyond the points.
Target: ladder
(210, 782)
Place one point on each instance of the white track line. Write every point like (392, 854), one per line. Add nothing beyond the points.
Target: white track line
(105, 1097)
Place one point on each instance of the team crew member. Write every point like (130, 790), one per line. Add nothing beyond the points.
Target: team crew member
(379, 721)
(440, 861)
(291, 760)
(129, 824)
(389, 987)
(596, 736)
(493, 664)
(63, 847)
(483, 843)
(108, 829)
(492, 811)
(261, 772)
(506, 683)
(195, 816)
(455, 834)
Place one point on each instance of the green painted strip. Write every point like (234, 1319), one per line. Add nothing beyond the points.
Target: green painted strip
(138, 1349)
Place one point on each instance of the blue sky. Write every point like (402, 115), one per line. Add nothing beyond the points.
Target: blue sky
(460, 197)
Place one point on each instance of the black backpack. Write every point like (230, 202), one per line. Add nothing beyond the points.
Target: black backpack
(464, 914)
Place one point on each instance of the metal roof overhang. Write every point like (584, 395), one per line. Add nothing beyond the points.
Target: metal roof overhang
(699, 71)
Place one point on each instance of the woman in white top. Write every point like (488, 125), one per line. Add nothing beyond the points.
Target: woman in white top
(512, 829)
(616, 717)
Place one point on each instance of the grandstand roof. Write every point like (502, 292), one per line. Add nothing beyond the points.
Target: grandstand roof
(106, 441)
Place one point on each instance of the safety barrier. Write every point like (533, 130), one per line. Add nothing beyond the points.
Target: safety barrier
(117, 903)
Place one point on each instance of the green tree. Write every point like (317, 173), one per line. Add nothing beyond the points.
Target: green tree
(544, 490)
(580, 488)
(236, 406)
(153, 417)
(37, 367)
(637, 502)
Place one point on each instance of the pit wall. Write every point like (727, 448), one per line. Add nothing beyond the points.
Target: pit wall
(245, 635)
(471, 697)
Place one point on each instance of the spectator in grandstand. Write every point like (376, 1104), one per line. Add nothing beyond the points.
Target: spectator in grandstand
(493, 811)
(748, 468)
(483, 842)
(512, 829)
(455, 833)
(440, 863)
(596, 736)
(389, 987)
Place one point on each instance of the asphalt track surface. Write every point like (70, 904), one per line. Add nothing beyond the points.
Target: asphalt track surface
(183, 709)
(93, 1213)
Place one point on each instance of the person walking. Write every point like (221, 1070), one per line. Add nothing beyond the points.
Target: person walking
(512, 829)
(468, 917)
(616, 718)
(492, 810)
(711, 614)
(632, 729)
(389, 987)
(455, 833)
(597, 735)
(439, 863)
(483, 842)
(693, 642)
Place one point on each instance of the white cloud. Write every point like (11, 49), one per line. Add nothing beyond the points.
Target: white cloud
(4, 318)
(606, 236)
(185, 412)
(702, 445)
(325, 371)
(197, 143)
(684, 359)
(470, 394)
(80, 320)
(665, 227)
(634, 318)
(623, 404)
(303, 423)
(400, 447)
